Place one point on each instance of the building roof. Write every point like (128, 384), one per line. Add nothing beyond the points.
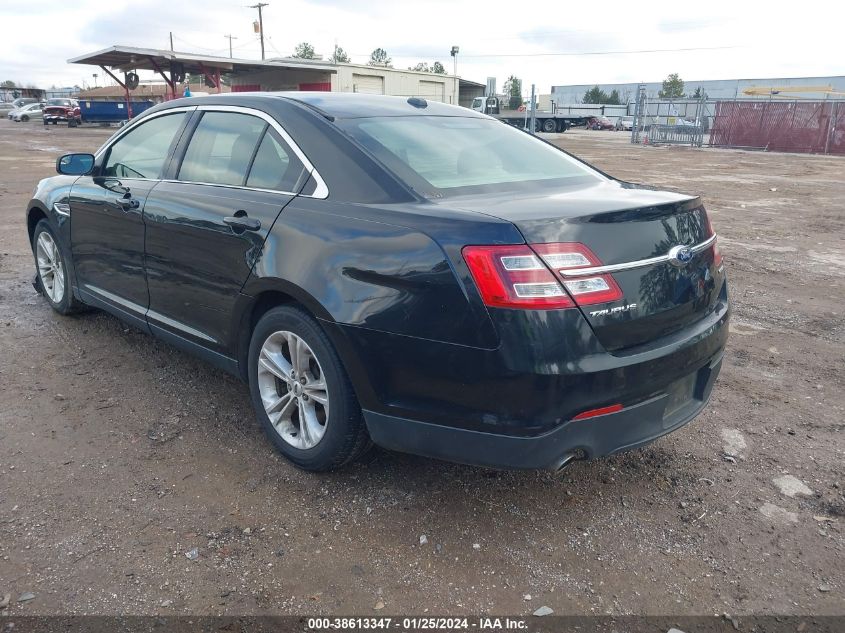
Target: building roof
(126, 58)
(466, 83)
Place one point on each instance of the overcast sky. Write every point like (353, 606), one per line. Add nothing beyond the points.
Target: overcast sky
(547, 42)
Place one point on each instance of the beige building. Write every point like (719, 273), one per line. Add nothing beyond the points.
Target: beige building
(355, 78)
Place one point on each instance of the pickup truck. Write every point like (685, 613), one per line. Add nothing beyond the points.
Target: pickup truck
(65, 110)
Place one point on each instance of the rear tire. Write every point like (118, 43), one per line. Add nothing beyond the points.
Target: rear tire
(550, 125)
(293, 366)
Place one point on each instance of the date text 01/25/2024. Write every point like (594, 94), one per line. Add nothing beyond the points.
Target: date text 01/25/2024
(423, 623)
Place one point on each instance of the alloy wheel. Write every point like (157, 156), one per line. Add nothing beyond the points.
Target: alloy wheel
(50, 267)
(293, 389)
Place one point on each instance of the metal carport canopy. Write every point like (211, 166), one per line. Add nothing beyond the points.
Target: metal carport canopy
(130, 58)
(127, 58)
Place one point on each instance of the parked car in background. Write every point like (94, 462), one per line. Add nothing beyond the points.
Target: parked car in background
(625, 123)
(680, 122)
(354, 261)
(62, 110)
(26, 113)
(600, 123)
(7, 107)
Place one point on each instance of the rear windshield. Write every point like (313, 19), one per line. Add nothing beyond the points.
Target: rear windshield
(442, 156)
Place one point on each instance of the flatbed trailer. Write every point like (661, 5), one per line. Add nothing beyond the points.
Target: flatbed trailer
(543, 121)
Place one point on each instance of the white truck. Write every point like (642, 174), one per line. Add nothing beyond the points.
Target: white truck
(560, 119)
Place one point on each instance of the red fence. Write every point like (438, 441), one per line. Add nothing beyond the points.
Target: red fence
(813, 127)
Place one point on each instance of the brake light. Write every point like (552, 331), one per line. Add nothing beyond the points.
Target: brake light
(717, 254)
(586, 290)
(514, 277)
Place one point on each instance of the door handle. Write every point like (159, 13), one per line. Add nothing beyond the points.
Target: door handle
(128, 204)
(242, 223)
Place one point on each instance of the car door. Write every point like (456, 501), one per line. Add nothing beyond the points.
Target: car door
(206, 224)
(107, 228)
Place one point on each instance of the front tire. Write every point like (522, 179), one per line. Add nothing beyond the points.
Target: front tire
(24, 118)
(50, 260)
(301, 393)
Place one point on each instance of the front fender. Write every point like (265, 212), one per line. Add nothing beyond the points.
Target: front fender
(47, 193)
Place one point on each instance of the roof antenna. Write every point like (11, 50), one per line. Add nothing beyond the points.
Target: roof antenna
(418, 102)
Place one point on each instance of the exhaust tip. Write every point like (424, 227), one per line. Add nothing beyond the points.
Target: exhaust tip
(567, 459)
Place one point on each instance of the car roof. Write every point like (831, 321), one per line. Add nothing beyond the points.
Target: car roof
(349, 105)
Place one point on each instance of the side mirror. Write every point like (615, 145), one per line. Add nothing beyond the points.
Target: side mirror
(75, 164)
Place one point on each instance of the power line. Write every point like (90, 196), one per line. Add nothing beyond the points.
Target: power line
(561, 54)
(580, 54)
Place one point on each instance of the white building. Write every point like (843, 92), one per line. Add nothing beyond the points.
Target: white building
(714, 89)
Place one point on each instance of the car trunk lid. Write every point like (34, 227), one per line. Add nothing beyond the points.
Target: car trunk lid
(633, 231)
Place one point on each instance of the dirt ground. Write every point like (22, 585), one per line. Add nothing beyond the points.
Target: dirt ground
(120, 455)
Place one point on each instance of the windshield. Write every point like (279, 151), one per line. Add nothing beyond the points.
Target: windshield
(440, 156)
(59, 102)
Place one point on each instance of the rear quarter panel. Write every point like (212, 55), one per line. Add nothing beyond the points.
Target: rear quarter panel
(380, 268)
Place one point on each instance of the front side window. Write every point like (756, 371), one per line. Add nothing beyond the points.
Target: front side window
(143, 151)
(441, 156)
(222, 148)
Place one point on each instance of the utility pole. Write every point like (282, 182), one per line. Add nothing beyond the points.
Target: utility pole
(171, 41)
(454, 53)
(231, 37)
(260, 23)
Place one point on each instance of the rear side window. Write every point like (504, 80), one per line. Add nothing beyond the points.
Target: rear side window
(222, 148)
(142, 152)
(275, 166)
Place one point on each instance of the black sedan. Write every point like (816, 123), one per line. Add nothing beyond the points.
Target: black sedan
(394, 271)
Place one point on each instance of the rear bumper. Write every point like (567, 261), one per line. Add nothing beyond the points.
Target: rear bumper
(603, 435)
(514, 406)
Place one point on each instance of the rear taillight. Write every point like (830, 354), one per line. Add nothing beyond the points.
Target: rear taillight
(717, 254)
(570, 256)
(521, 276)
(514, 277)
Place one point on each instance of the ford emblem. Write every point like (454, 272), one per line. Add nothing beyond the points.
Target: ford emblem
(680, 256)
